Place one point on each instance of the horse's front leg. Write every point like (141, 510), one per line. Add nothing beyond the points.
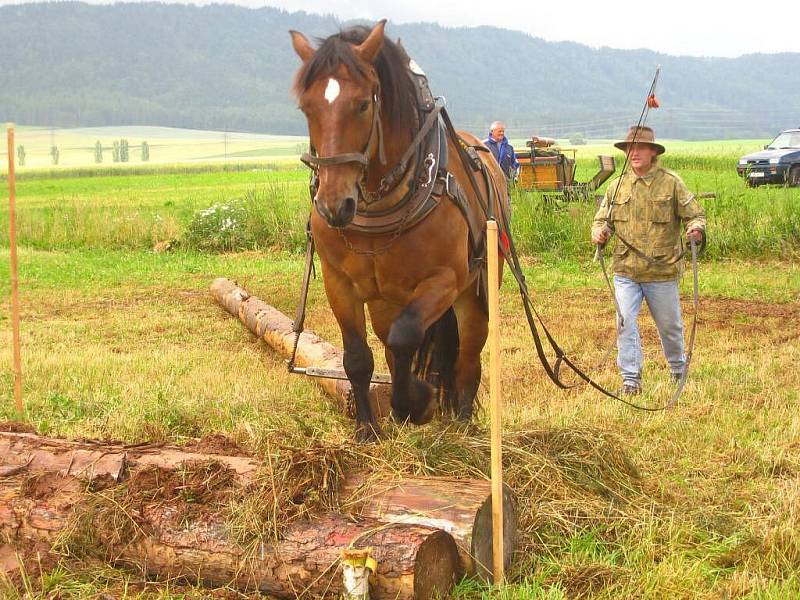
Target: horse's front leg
(348, 308)
(412, 398)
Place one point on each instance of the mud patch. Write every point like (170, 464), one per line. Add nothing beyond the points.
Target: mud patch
(217, 443)
(48, 486)
(752, 317)
(16, 427)
(108, 521)
(24, 565)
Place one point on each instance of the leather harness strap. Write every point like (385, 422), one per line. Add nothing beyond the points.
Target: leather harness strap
(375, 136)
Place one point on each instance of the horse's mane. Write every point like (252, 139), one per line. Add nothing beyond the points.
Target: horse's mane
(391, 65)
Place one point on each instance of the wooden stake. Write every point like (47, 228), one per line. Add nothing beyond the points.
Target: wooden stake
(12, 226)
(495, 402)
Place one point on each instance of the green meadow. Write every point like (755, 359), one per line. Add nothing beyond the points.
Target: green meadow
(121, 340)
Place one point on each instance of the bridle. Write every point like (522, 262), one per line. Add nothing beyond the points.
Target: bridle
(314, 162)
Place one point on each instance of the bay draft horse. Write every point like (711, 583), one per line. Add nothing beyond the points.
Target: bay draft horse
(358, 94)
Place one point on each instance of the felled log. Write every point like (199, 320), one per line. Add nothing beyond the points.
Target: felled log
(88, 460)
(462, 507)
(414, 561)
(275, 328)
(44, 496)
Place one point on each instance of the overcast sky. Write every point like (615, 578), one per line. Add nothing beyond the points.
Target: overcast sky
(681, 27)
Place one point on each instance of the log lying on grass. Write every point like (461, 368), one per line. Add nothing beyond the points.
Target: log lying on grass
(48, 488)
(414, 561)
(461, 507)
(88, 460)
(275, 328)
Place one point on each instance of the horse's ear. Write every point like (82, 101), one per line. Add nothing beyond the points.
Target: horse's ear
(369, 48)
(301, 46)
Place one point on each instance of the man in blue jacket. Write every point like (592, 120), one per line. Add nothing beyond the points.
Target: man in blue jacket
(501, 149)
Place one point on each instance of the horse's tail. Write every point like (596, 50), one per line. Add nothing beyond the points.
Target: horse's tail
(435, 360)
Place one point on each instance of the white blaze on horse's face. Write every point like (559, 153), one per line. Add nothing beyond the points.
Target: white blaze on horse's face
(332, 91)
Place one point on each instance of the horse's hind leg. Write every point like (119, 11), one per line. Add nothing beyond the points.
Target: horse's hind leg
(473, 329)
(411, 398)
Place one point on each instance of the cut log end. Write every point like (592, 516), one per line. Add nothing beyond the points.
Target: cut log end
(462, 507)
(482, 534)
(436, 567)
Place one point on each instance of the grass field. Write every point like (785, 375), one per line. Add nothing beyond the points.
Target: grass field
(701, 502)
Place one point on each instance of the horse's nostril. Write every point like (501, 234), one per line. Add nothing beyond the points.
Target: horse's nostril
(323, 210)
(344, 213)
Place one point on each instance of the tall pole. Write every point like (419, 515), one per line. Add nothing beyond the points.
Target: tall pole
(12, 226)
(496, 404)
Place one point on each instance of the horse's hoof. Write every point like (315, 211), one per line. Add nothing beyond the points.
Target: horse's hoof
(368, 433)
(399, 417)
(464, 415)
(401, 411)
(468, 429)
(423, 406)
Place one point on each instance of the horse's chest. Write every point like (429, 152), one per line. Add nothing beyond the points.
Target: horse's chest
(366, 285)
(373, 280)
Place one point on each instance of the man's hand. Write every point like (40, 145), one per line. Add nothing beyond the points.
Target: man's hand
(694, 234)
(601, 236)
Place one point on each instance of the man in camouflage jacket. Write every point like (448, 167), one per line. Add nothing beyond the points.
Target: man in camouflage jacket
(648, 207)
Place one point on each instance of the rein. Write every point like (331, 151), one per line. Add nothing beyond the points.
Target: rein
(471, 163)
(651, 102)
(512, 259)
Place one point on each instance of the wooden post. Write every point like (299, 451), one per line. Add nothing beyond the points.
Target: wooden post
(495, 402)
(12, 237)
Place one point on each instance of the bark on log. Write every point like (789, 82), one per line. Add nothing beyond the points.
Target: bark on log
(42, 489)
(461, 507)
(414, 561)
(275, 328)
(88, 460)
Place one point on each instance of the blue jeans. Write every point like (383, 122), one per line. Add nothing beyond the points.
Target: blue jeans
(665, 306)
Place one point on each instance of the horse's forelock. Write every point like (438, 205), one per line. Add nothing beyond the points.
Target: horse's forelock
(390, 65)
(331, 53)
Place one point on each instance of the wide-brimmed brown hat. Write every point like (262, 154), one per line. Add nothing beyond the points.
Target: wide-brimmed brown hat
(640, 135)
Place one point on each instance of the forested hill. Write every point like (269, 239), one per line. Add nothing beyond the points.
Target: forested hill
(226, 67)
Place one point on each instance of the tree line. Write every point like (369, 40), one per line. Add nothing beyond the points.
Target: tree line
(225, 67)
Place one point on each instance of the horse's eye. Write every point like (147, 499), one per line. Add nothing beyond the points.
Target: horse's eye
(364, 106)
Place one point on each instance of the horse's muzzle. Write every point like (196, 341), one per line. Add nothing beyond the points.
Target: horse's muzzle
(341, 216)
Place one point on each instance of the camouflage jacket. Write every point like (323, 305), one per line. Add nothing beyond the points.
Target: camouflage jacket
(651, 212)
